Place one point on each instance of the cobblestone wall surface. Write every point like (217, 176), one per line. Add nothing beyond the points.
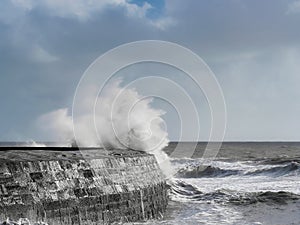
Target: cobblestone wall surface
(82, 191)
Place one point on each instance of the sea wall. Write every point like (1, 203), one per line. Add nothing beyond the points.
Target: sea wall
(62, 190)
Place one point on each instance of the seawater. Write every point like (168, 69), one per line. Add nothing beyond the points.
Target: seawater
(247, 183)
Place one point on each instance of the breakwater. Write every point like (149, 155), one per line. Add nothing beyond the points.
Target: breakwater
(62, 186)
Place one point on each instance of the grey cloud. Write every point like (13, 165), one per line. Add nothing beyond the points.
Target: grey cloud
(252, 46)
(294, 7)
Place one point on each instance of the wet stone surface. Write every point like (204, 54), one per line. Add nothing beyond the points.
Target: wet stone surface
(106, 186)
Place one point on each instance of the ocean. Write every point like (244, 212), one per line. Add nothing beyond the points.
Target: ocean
(247, 183)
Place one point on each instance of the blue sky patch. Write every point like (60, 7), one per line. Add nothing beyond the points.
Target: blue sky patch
(158, 7)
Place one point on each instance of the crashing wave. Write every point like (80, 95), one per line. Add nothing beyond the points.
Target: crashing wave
(275, 171)
(205, 171)
(221, 169)
(181, 190)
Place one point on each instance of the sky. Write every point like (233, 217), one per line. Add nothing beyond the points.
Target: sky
(253, 48)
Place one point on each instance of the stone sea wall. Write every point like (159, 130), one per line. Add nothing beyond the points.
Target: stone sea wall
(97, 190)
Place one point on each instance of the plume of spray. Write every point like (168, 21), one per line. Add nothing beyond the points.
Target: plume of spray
(32, 143)
(122, 119)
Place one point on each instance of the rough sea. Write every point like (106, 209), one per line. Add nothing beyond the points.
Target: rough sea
(247, 183)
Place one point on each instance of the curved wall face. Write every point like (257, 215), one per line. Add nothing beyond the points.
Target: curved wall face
(63, 188)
